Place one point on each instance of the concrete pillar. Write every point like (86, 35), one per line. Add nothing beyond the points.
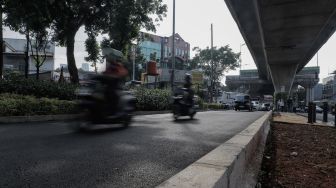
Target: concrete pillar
(283, 76)
(309, 95)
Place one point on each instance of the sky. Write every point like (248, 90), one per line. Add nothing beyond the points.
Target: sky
(193, 23)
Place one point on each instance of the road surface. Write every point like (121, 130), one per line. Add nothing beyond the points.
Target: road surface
(152, 150)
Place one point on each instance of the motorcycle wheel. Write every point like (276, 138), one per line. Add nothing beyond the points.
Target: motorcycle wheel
(192, 115)
(176, 112)
(127, 121)
(82, 123)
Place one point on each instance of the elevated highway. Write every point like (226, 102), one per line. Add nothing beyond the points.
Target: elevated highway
(250, 81)
(283, 35)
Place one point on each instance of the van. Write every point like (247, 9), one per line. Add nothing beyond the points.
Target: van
(243, 102)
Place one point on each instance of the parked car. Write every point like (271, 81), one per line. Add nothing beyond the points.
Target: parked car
(318, 109)
(243, 102)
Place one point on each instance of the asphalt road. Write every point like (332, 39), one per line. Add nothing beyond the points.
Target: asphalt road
(152, 150)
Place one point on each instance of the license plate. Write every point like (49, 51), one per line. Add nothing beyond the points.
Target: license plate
(241, 106)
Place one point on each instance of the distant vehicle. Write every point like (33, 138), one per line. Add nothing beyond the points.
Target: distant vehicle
(300, 110)
(243, 102)
(265, 107)
(318, 109)
(256, 105)
(227, 106)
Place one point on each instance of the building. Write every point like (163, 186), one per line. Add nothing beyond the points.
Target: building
(151, 46)
(318, 92)
(86, 67)
(329, 88)
(14, 56)
(158, 48)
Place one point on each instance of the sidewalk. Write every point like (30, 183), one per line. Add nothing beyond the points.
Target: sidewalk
(291, 118)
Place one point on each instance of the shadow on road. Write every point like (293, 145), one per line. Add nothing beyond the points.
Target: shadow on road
(184, 121)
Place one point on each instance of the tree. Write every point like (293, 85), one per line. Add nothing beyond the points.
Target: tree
(215, 63)
(74, 15)
(93, 49)
(29, 18)
(120, 19)
(2, 3)
(124, 19)
(38, 45)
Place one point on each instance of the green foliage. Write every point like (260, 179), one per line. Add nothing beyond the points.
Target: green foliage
(214, 63)
(125, 18)
(27, 16)
(222, 60)
(19, 105)
(153, 99)
(93, 49)
(38, 88)
(33, 19)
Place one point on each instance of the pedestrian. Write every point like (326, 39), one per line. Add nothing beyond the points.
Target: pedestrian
(282, 105)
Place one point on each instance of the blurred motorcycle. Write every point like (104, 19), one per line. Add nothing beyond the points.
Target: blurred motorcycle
(181, 106)
(96, 110)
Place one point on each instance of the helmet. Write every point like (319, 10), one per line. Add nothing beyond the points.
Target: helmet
(112, 54)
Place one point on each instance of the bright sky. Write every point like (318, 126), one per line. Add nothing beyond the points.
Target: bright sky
(193, 20)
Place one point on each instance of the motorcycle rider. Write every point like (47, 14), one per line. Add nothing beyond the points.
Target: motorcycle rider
(113, 76)
(188, 86)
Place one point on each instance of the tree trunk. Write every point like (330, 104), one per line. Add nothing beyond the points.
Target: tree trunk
(27, 55)
(1, 44)
(70, 48)
(37, 72)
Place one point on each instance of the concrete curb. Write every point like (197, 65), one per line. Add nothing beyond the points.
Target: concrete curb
(226, 165)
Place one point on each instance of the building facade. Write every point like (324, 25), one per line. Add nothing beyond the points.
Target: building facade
(158, 48)
(329, 88)
(318, 92)
(14, 56)
(86, 67)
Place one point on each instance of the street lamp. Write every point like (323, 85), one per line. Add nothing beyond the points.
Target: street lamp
(173, 49)
(240, 57)
(134, 56)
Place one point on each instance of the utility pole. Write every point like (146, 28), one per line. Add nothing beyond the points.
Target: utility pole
(134, 54)
(240, 58)
(212, 67)
(317, 59)
(173, 49)
(1, 43)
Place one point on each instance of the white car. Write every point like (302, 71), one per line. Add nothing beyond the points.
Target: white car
(256, 105)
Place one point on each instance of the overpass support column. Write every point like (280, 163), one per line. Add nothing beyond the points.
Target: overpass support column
(309, 95)
(283, 76)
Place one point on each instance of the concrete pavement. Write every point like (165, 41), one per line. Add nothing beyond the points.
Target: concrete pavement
(152, 150)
